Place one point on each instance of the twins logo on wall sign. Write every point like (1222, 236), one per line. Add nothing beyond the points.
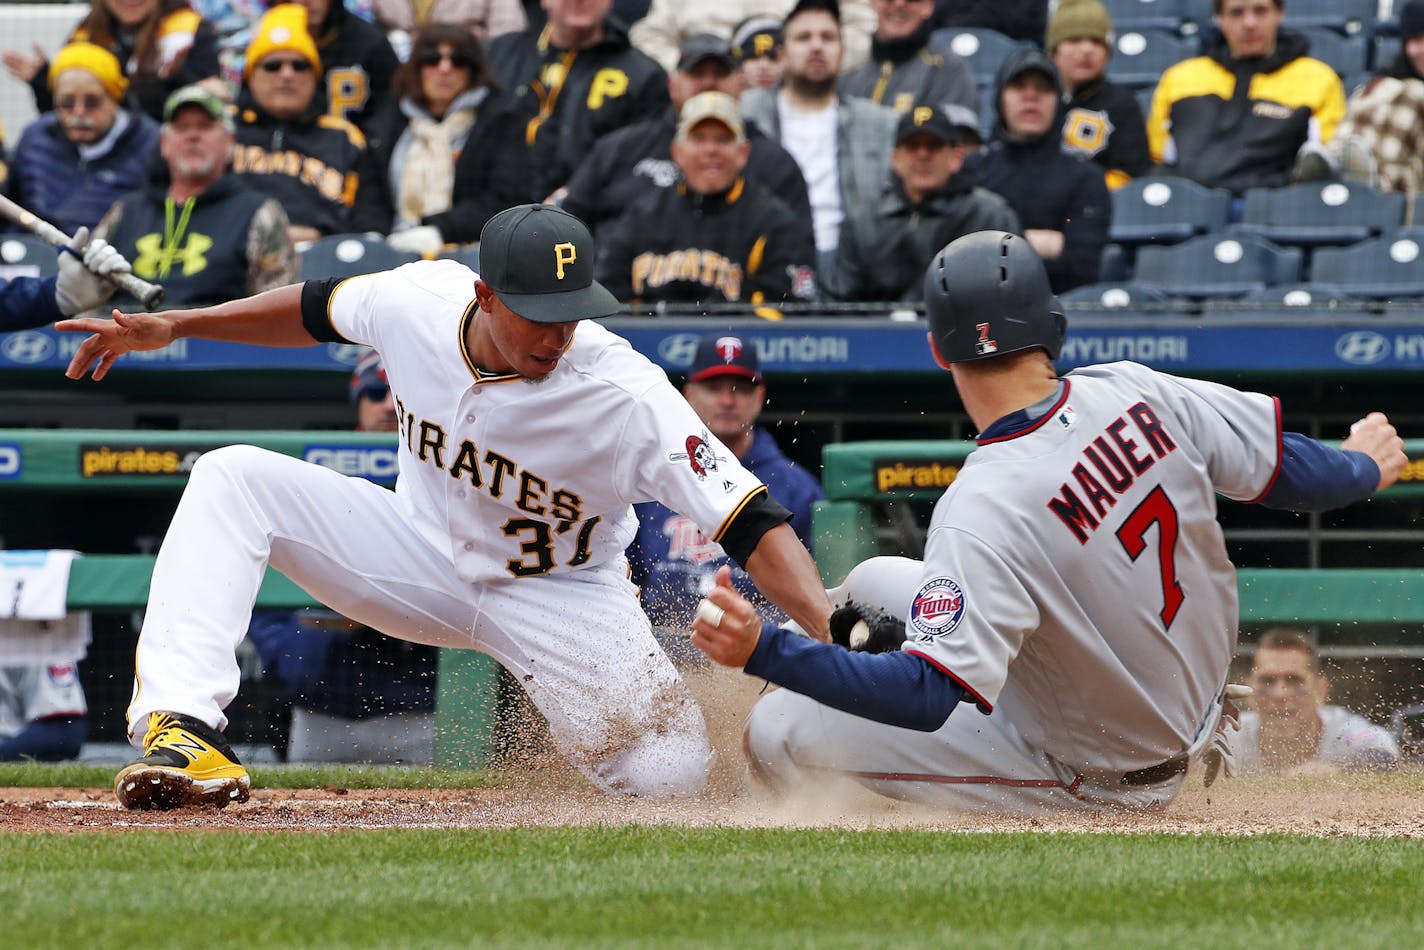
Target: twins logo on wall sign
(938, 607)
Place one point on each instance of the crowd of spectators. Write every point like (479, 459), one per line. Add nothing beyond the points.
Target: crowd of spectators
(419, 121)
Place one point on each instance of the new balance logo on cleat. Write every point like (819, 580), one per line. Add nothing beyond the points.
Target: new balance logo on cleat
(184, 763)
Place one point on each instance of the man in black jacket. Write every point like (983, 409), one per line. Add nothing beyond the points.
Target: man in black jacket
(714, 237)
(197, 230)
(904, 69)
(1061, 199)
(574, 81)
(628, 162)
(929, 201)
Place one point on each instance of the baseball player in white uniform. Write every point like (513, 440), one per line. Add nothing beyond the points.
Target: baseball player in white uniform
(525, 438)
(1075, 587)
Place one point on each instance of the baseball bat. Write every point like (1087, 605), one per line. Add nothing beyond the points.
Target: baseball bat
(150, 295)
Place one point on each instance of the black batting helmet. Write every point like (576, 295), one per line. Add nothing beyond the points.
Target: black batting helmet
(987, 294)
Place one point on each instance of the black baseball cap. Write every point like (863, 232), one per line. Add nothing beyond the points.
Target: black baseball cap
(539, 260)
(700, 47)
(724, 355)
(930, 120)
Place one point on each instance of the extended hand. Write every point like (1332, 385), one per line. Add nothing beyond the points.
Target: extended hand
(1374, 436)
(732, 638)
(111, 339)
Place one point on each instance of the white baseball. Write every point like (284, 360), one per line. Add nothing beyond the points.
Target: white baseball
(859, 633)
(709, 612)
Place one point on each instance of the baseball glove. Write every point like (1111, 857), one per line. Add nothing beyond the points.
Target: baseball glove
(866, 630)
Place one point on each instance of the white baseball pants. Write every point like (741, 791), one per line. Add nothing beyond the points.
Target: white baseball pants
(973, 763)
(578, 642)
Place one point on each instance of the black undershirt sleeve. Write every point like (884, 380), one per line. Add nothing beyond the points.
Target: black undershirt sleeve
(759, 516)
(316, 302)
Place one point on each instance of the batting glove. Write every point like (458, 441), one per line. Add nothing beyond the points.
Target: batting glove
(1220, 755)
(424, 240)
(84, 268)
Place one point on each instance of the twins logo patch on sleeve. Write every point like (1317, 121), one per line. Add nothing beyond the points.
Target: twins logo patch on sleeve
(937, 608)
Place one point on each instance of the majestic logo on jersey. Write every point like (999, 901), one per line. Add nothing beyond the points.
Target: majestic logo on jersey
(699, 456)
(564, 253)
(938, 607)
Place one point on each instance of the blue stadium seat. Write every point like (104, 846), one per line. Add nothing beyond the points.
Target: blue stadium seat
(1128, 15)
(1140, 57)
(1313, 213)
(1289, 301)
(24, 255)
(1346, 17)
(1386, 51)
(347, 255)
(467, 254)
(1127, 299)
(985, 49)
(1166, 210)
(1221, 264)
(1347, 55)
(1386, 267)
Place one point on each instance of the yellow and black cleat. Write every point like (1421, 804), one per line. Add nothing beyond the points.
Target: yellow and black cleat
(184, 763)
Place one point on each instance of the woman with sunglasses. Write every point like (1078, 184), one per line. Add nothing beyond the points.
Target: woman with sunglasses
(163, 45)
(450, 145)
(316, 165)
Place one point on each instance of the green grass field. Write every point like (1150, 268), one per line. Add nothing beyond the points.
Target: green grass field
(668, 886)
(642, 886)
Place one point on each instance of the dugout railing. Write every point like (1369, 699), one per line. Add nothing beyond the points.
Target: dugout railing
(43, 474)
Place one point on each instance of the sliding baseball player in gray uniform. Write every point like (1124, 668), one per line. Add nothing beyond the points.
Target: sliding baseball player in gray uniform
(1075, 589)
(525, 438)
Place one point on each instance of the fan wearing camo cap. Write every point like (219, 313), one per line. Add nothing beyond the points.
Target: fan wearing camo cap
(526, 433)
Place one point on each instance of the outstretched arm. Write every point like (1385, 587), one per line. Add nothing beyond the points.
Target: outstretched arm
(896, 688)
(273, 318)
(1315, 477)
(782, 569)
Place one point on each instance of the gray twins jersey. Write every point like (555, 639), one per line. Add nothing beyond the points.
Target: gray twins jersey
(1075, 572)
(38, 691)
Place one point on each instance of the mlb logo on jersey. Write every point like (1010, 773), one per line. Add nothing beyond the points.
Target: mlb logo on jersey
(62, 675)
(938, 607)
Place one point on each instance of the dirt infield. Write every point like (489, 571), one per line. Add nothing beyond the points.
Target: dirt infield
(543, 795)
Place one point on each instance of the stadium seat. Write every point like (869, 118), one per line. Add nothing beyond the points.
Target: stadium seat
(347, 255)
(1289, 301)
(24, 255)
(1166, 210)
(1386, 51)
(1123, 298)
(1385, 267)
(1347, 55)
(1140, 57)
(1312, 213)
(1346, 17)
(984, 48)
(1221, 264)
(1128, 15)
(467, 254)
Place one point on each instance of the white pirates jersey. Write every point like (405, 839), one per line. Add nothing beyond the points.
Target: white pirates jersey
(1346, 739)
(516, 477)
(1075, 572)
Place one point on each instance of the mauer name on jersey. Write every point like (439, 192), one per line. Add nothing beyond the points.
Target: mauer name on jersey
(1119, 460)
(493, 472)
